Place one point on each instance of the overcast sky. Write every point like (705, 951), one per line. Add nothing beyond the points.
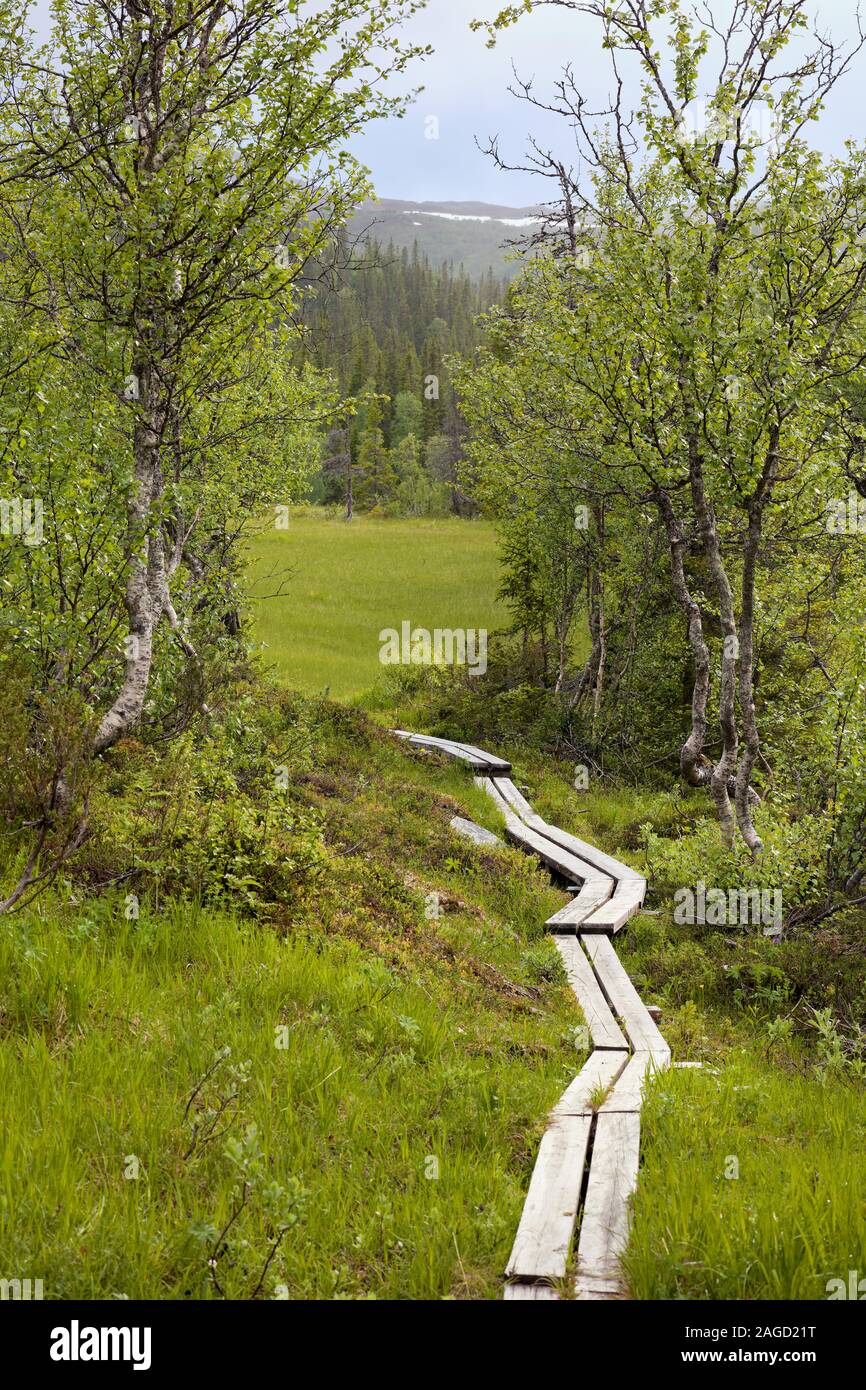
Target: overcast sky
(466, 89)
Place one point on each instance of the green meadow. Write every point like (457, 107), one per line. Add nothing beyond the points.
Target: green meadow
(323, 590)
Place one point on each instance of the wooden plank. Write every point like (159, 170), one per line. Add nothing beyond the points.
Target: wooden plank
(491, 786)
(501, 764)
(519, 833)
(476, 757)
(567, 865)
(543, 1240)
(444, 745)
(606, 1290)
(603, 1027)
(593, 893)
(622, 996)
(602, 1069)
(605, 1222)
(518, 803)
(477, 833)
(537, 1292)
(600, 862)
(447, 750)
(613, 914)
(627, 1095)
(597, 860)
(541, 844)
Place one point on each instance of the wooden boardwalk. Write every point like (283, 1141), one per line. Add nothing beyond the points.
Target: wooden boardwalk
(576, 1214)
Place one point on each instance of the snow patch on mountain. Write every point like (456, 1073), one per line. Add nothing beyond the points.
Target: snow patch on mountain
(472, 217)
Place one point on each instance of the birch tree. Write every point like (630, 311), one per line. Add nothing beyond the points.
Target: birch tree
(168, 170)
(719, 267)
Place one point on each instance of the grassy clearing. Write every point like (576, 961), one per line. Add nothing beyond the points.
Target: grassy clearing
(396, 1065)
(346, 583)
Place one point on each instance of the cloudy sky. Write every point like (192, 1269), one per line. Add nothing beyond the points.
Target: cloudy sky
(466, 90)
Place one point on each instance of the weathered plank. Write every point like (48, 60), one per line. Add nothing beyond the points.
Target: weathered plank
(602, 1290)
(601, 862)
(518, 833)
(525, 1292)
(601, 1069)
(501, 766)
(624, 904)
(541, 1247)
(478, 760)
(628, 1092)
(567, 865)
(622, 996)
(518, 803)
(440, 747)
(477, 833)
(605, 1223)
(603, 1027)
(589, 854)
(593, 893)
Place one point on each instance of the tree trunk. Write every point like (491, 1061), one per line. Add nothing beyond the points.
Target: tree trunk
(146, 577)
(744, 795)
(694, 766)
(726, 768)
(350, 481)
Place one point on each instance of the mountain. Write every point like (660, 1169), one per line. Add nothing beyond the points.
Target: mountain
(474, 235)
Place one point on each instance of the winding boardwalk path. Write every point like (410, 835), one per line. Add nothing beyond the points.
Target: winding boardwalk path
(587, 1164)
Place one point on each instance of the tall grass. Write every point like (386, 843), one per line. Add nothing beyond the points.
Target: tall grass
(751, 1186)
(343, 583)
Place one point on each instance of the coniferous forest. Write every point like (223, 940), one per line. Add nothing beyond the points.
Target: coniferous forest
(387, 326)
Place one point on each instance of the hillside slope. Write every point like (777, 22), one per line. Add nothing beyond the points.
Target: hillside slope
(474, 235)
(338, 1096)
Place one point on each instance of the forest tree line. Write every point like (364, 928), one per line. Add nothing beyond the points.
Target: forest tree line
(385, 327)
